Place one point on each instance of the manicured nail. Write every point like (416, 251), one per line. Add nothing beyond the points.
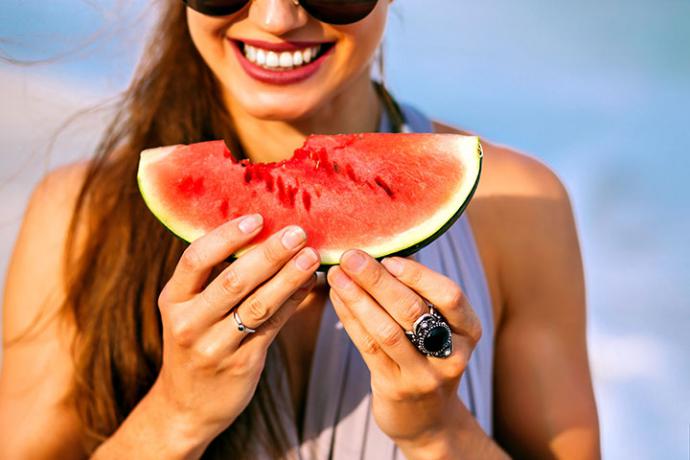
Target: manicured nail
(354, 261)
(306, 259)
(341, 280)
(251, 223)
(393, 265)
(293, 237)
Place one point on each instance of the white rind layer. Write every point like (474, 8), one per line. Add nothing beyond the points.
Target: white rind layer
(468, 151)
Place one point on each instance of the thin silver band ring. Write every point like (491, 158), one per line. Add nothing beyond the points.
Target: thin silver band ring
(240, 325)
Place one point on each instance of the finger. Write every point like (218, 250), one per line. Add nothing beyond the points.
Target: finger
(441, 291)
(226, 338)
(401, 302)
(204, 253)
(372, 354)
(262, 304)
(378, 324)
(250, 271)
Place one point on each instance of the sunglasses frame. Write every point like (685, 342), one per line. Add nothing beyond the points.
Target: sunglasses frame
(311, 9)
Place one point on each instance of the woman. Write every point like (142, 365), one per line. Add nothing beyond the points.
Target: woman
(120, 342)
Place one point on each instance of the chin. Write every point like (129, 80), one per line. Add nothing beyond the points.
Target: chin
(277, 106)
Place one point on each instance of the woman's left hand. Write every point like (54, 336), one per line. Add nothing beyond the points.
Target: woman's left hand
(414, 396)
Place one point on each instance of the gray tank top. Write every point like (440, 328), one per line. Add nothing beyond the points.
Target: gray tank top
(338, 422)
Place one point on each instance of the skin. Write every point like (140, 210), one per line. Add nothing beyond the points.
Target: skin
(523, 224)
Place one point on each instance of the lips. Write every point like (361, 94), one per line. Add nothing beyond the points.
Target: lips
(281, 63)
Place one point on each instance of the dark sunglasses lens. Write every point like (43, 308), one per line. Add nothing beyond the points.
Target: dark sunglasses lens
(339, 11)
(216, 7)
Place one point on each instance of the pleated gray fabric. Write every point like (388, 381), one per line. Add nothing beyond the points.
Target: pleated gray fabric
(338, 422)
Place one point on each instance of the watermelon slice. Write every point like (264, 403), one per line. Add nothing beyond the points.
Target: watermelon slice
(383, 193)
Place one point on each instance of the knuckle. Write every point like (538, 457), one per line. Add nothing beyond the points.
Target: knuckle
(413, 309)
(191, 259)
(475, 330)
(207, 356)
(412, 274)
(390, 335)
(377, 277)
(369, 345)
(231, 283)
(257, 310)
(164, 298)
(273, 252)
(454, 296)
(182, 332)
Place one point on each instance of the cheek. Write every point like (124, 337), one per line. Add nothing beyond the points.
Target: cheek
(363, 38)
(207, 35)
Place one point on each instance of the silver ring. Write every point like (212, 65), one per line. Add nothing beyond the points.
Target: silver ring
(240, 325)
(431, 334)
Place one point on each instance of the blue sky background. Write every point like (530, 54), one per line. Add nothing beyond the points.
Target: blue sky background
(599, 90)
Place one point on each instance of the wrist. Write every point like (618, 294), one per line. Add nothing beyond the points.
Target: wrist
(460, 436)
(156, 429)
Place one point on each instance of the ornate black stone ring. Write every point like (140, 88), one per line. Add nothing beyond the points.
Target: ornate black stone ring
(431, 334)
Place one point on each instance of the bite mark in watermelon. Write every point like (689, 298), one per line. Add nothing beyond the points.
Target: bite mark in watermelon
(386, 194)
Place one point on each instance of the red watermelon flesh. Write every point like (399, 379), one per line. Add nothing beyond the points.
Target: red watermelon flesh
(383, 193)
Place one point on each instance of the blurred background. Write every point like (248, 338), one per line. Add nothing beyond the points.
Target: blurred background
(600, 91)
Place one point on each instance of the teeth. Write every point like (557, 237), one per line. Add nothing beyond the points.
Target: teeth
(271, 59)
(260, 57)
(250, 52)
(283, 60)
(297, 58)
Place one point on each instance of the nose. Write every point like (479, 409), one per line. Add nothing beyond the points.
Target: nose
(277, 16)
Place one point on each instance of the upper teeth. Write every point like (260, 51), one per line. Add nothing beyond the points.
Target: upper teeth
(282, 60)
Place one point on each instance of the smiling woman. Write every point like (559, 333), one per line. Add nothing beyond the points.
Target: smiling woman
(153, 348)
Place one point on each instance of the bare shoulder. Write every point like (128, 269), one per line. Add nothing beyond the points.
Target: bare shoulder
(37, 367)
(524, 227)
(38, 250)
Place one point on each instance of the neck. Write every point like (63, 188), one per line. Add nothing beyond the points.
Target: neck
(356, 109)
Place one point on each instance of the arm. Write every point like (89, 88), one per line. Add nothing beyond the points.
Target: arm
(35, 421)
(544, 403)
(210, 368)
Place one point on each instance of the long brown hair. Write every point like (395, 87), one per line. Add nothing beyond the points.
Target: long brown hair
(116, 274)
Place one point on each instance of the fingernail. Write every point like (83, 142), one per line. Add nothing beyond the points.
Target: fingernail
(354, 261)
(251, 223)
(306, 259)
(393, 265)
(293, 237)
(341, 280)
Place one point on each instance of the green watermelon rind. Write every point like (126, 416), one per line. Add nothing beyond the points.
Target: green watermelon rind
(436, 226)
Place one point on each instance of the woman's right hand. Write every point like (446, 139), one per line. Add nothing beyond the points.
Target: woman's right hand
(210, 369)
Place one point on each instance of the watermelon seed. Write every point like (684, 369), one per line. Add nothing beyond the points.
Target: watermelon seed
(306, 199)
(247, 175)
(350, 173)
(381, 183)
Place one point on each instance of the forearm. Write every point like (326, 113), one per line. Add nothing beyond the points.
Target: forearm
(462, 438)
(152, 432)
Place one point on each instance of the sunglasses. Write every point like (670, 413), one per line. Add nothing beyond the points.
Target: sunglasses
(337, 12)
